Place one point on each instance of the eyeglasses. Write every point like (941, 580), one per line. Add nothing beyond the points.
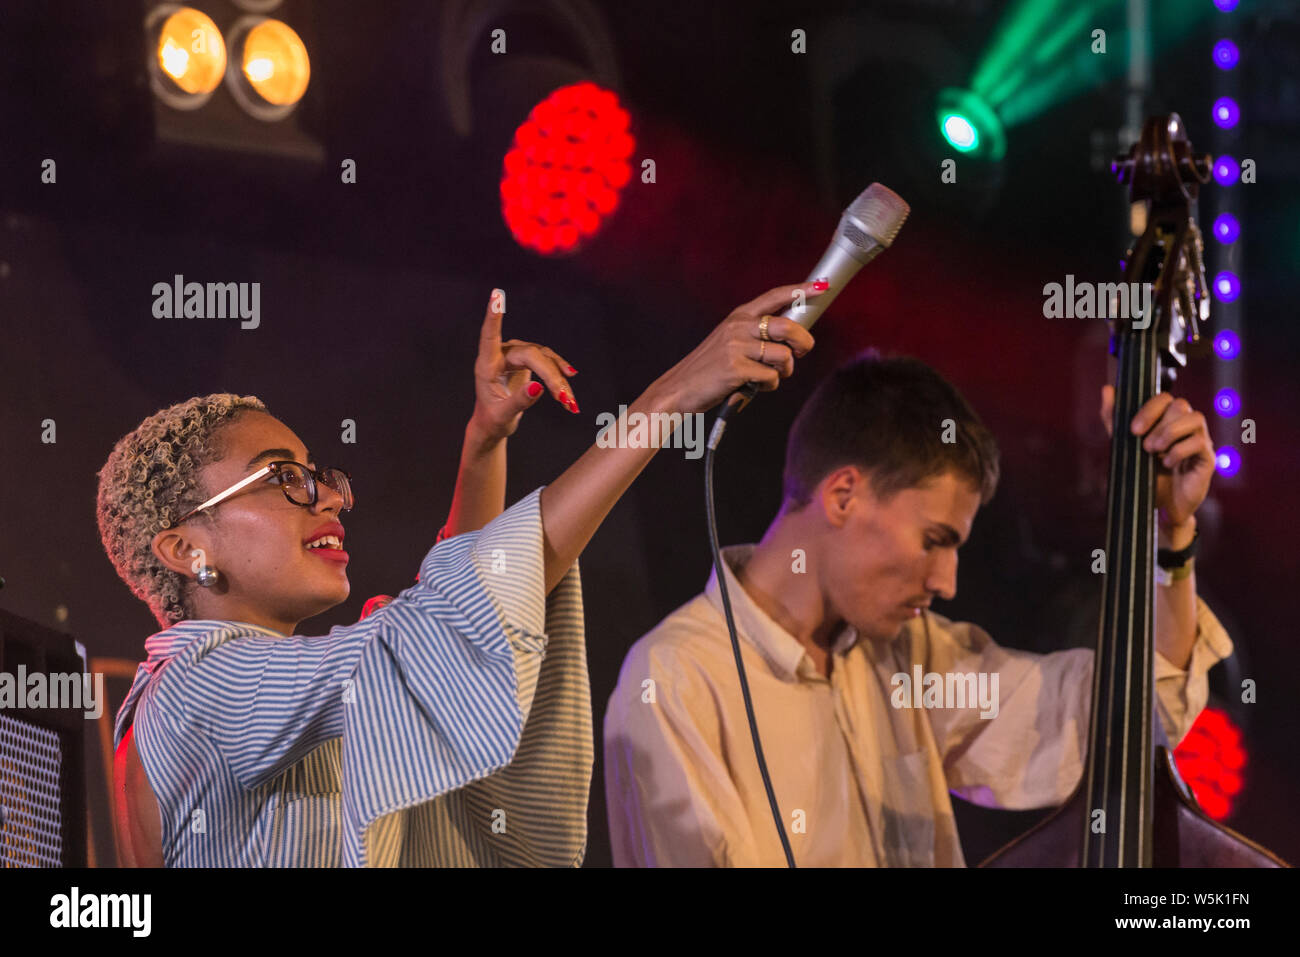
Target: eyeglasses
(299, 484)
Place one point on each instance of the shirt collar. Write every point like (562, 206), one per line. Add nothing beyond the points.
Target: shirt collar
(164, 645)
(779, 648)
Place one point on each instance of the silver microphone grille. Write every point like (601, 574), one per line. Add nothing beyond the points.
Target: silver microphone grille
(879, 212)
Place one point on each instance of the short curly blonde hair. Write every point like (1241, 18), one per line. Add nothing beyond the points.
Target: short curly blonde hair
(151, 479)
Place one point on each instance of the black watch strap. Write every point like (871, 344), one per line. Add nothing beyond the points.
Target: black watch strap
(1169, 559)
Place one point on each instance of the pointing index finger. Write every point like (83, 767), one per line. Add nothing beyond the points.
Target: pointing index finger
(489, 342)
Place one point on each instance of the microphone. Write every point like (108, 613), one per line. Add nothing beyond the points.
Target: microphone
(867, 228)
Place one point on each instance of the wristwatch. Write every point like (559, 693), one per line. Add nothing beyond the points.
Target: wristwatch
(1169, 559)
(1172, 566)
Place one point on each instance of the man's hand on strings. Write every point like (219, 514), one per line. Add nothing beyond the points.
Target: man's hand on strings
(1178, 436)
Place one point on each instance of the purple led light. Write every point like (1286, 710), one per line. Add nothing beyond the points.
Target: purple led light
(1227, 345)
(1227, 286)
(1226, 54)
(1226, 5)
(1226, 228)
(1227, 403)
(1226, 113)
(1227, 460)
(1226, 170)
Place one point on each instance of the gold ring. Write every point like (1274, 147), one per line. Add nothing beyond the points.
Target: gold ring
(762, 329)
(762, 347)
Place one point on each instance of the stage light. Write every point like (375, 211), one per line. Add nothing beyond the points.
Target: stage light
(1226, 5)
(1227, 345)
(1226, 54)
(960, 132)
(376, 602)
(1227, 403)
(269, 69)
(1227, 286)
(1210, 759)
(1226, 112)
(275, 62)
(185, 48)
(189, 55)
(562, 176)
(970, 125)
(1227, 461)
(1226, 170)
(1033, 60)
(1226, 228)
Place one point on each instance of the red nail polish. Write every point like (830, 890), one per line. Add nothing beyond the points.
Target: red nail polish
(573, 406)
(534, 389)
(572, 371)
(821, 285)
(563, 397)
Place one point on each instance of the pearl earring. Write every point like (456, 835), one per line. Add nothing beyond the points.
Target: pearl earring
(207, 576)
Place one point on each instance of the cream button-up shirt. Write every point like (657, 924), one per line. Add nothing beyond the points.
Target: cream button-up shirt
(859, 781)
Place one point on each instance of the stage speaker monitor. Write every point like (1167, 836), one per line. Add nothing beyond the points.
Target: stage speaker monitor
(43, 705)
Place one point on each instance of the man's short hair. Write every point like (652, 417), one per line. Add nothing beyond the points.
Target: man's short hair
(889, 416)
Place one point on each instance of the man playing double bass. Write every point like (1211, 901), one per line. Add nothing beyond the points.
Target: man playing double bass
(832, 610)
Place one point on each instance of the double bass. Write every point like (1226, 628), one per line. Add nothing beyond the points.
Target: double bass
(1131, 808)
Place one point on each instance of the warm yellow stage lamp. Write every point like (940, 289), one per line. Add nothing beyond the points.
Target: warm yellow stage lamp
(191, 52)
(275, 63)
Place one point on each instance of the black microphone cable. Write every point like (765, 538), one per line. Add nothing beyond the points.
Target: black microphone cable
(719, 425)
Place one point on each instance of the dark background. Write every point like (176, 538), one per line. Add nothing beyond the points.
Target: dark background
(372, 295)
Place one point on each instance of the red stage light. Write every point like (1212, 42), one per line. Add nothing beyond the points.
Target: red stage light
(375, 603)
(1211, 760)
(562, 176)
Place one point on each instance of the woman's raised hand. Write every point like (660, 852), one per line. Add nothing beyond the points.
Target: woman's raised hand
(503, 375)
(735, 352)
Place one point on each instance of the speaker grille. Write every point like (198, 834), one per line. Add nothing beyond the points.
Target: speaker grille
(31, 832)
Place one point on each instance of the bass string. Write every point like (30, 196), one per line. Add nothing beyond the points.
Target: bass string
(1103, 684)
(1134, 789)
(1133, 637)
(1121, 567)
(1128, 612)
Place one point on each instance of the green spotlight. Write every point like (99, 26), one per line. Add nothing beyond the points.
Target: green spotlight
(969, 124)
(1041, 53)
(960, 132)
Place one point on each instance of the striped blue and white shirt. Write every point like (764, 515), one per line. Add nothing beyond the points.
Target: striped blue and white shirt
(450, 728)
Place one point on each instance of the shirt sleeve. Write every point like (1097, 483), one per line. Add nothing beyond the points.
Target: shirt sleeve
(1182, 693)
(1030, 754)
(426, 692)
(671, 801)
